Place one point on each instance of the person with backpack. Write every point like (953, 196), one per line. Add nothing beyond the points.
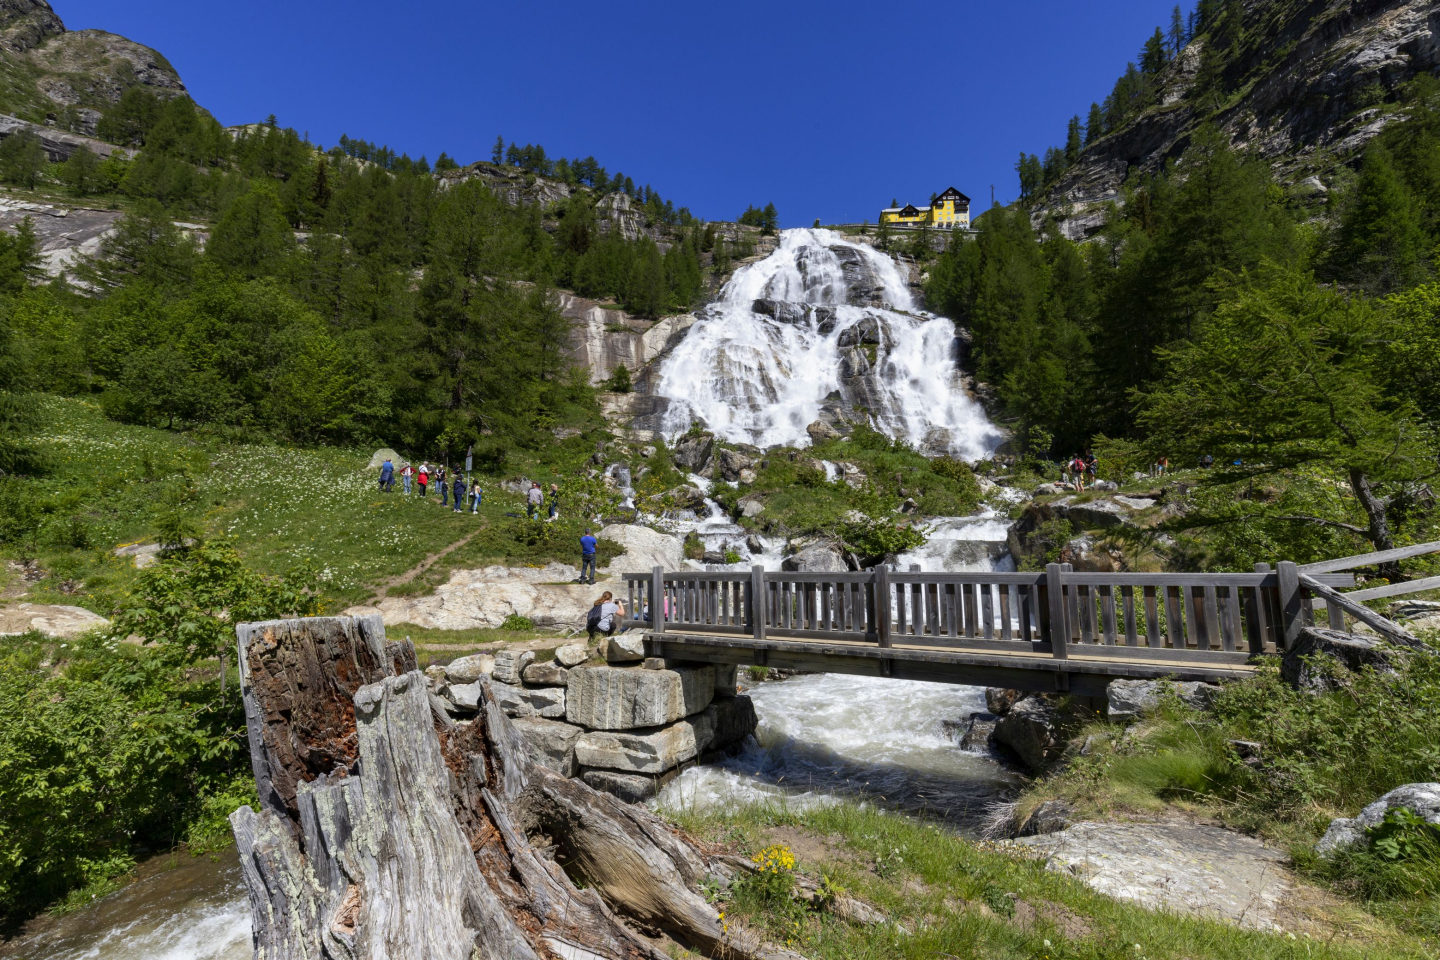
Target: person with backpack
(534, 500)
(406, 473)
(459, 493)
(1077, 473)
(588, 543)
(423, 478)
(387, 475)
(440, 484)
(605, 616)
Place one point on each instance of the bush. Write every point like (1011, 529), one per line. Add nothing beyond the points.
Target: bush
(518, 623)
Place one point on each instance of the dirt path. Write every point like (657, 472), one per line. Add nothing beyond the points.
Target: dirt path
(403, 578)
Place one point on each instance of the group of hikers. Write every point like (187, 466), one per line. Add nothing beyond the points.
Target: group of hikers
(457, 490)
(454, 488)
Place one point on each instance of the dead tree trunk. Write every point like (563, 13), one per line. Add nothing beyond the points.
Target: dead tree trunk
(388, 832)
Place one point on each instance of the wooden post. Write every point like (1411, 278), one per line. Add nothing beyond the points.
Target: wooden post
(757, 602)
(1292, 611)
(1059, 625)
(882, 605)
(1255, 618)
(657, 599)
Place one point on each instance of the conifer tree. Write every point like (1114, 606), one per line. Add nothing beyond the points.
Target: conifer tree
(1380, 243)
(81, 173)
(1154, 56)
(497, 153)
(1073, 141)
(1095, 125)
(1177, 36)
(22, 159)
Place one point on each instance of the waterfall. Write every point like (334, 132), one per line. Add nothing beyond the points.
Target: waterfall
(823, 328)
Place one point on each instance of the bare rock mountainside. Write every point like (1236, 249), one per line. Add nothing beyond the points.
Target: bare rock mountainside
(1315, 84)
(65, 79)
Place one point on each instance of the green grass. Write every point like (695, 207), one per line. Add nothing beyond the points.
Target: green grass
(948, 897)
(109, 484)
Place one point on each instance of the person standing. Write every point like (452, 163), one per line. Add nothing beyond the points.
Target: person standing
(387, 475)
(1077, 473)
(535, 499)
(406, 473)
(588, 543)
(554, 502)
(458, 490)
(475, 496)
(444, 490)
(423, 478)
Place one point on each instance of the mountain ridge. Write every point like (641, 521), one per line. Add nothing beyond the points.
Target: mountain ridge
(1307, 98)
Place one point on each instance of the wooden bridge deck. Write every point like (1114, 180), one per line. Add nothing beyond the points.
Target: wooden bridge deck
(1054, 631)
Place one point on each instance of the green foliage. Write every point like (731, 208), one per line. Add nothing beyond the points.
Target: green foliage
(620, 380)
(881, 538)
(188, 604)
(767, 219)
(22, 159)
(1379, 242)
(517, 623)
(210, 832)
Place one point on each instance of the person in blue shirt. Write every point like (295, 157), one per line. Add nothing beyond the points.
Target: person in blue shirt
(458, 489)
(588, 543)
(387, 475)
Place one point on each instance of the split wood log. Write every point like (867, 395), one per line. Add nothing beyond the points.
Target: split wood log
(389, 832)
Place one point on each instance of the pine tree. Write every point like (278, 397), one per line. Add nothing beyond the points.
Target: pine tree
(22, 159)
(1031, 176)
(770, 221)
(1380, 243)
(1154, 55)
(81, 173)
(1073, 141)
(497, 152)
(1095, 125)
(1053, 166)
(1177, 35)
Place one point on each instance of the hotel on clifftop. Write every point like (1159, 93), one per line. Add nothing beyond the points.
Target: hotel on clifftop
(947, 211)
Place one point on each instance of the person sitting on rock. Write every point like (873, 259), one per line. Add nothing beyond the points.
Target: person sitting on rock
(605, 616)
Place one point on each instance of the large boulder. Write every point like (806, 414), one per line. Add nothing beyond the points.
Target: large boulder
(782, 310)
(1032, 731)
(645, 548)
(552, 743)
(546, 675)
(614, 698)
(572, 654)
(692, 453)
(645, 751)
(1131, 699)
(510, 665)
(820, 431)
(865, 330)
(471, 668)
(548, 702)
(625, 649)
(1303, 663)
(1422, 799)
(52, 620)
(731, 720)
(999, 700)
(732, 463)
(823, 556)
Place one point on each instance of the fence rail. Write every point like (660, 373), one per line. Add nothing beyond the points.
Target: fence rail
(1175, 617)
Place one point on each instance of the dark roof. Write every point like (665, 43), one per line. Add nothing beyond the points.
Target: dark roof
(952, 193)
(909, 210)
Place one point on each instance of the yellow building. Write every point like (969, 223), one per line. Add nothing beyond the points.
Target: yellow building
(950, 209)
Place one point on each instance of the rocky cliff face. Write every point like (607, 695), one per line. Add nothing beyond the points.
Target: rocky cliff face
(66, 79)
(1307, 100)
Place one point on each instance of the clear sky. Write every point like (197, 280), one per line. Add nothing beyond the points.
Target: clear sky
(829, 110)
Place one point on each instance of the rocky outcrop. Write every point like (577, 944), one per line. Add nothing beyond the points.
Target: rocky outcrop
(616, 213)
(604, 337)
(692, 452)
(49, 619)
(1421, 799)
(1044, 524)
(863, 287)
(822, 556)
(66, 234)
(1305, 662)
(1132, 699)
(66, 79)
(1032, 730)
(1182, 867)
(1300, 110)
(511, 184)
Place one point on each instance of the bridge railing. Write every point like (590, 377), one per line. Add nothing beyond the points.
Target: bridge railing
(1056, 612)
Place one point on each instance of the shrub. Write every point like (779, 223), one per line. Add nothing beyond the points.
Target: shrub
(518, 623)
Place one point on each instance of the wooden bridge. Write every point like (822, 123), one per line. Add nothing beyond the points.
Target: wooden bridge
(1053, 631)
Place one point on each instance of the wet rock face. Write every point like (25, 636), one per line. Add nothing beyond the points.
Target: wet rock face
(862, 287)
(692, 454)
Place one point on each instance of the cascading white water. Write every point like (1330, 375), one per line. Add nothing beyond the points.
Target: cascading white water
(756, 378)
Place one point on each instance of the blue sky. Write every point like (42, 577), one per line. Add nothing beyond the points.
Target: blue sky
(827, 109)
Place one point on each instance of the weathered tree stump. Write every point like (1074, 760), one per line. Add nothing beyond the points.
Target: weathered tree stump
(388, 832)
